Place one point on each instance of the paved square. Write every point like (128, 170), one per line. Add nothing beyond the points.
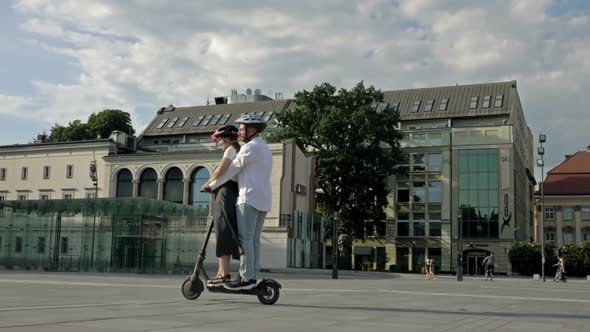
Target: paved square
(309, 302)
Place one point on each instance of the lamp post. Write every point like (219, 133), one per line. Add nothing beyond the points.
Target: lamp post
(541, 163)
(94, 177)
(320, 191)
(460, 246)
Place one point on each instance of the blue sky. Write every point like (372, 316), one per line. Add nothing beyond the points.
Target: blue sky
(63, 60)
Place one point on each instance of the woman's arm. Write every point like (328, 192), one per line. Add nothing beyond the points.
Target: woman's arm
(220, 169)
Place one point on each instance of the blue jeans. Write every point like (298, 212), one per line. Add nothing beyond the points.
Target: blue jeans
(250, 221)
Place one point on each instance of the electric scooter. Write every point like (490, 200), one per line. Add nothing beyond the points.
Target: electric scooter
(267, 291)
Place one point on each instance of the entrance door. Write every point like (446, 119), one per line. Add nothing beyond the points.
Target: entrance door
(472, 260)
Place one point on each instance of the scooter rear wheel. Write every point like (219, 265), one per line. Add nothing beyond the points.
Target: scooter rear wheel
(192, 290)
(272, 293)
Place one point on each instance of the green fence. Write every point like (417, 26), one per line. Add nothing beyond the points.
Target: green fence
(103, 235)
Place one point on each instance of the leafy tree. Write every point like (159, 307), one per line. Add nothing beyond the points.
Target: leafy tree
(353, 137)
(525, 258)
(75, 131)
(102, 123)
(107, 121)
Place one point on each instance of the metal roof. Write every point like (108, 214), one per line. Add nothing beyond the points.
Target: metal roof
(191, 114)
(458, 100)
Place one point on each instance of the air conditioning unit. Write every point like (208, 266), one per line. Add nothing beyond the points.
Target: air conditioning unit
(300, 189)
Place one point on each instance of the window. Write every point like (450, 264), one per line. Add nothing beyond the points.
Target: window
(586, 213)
(473, 104)
(443, 105)
(267, 116)
(418, 162)
(198, 120)
(395, 106)
(226, 117)
(586, 235)
(429, 105)
(568, 213)
(18, 246)
(549, 213)
(478, 193)
(44, 197)
(24, 173)
(2, 197)
(418, 192)
(206, 120)
(90, 195)
(403, 192)
(498, 102)
(69, 171)
(68, 195)
(416, 106)
(403, 228)
(404, 165)
(172, 123)
(486, 101)
(435, 229)
(434, 162)
(64, 245)
(215, 119)
(46, 172)
(568, 236)
(41, 245)
(2, 174)
(550, 236)
(21, 197)
(182, 121)
(162, 123)
(434, 192)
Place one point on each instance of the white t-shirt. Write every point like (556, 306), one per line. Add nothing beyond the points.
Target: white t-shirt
(231, 153)
(253, 166)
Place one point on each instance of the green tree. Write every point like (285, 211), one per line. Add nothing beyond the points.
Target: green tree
(102, 123)
(353, 137)
(75, 131)
(107, 121)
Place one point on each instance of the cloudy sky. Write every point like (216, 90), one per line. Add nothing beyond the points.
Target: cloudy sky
(62, 60)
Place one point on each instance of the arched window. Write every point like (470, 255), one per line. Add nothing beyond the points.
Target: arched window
(124, 183)
(198, 179)
(148, 184)
(173, 188)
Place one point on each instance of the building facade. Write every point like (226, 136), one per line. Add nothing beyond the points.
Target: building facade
(566, 191)
(469, 163)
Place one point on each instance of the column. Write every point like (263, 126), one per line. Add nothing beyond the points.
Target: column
(559, 231)
(135, 188)
(578, 221)
(160, 189)
(185, 196)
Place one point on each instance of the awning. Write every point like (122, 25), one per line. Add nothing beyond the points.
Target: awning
(362, 251)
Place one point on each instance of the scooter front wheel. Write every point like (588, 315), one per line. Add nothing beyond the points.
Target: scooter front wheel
(271, 295)
(191, 290)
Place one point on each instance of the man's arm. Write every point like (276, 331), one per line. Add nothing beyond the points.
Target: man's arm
(233, 168)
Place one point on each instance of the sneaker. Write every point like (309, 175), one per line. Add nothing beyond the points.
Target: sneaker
(239, 284)
(218, 281)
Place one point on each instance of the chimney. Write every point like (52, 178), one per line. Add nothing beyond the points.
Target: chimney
(588, 148)
(568, 156)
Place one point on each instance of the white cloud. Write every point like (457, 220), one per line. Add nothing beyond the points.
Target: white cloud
(140, 55)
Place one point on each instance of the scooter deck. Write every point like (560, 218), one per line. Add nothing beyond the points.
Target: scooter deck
(258, 290)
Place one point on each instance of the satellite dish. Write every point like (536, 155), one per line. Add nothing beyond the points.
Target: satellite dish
(257, 91)
(248, 91)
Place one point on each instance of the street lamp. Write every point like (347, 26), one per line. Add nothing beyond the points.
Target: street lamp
(94, 177)
(320, 191)
(460, 254)
(541, 163)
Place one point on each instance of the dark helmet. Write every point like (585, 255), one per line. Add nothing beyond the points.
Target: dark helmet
(228, 131)
(252, 120)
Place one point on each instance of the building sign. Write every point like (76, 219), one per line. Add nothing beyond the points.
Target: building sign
(507, 215)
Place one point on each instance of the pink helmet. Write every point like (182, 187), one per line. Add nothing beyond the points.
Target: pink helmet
(226, 131)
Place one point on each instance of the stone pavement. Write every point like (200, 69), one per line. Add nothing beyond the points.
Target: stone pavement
(309, 302)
